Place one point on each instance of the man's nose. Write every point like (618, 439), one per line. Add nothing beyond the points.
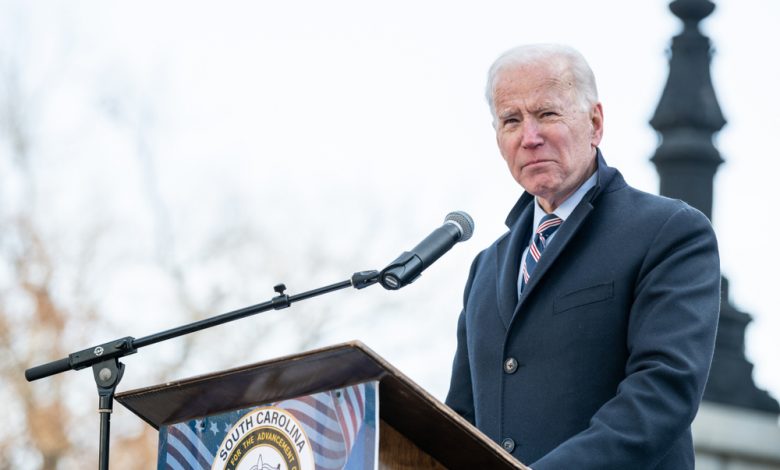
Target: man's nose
(531, 134)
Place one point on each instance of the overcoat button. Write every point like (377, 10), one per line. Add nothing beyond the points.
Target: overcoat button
(508, 445)
(510, 365)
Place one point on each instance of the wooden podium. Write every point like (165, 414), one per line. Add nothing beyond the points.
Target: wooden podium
(415, 430)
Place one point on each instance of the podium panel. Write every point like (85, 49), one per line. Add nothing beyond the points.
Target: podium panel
(330, 430)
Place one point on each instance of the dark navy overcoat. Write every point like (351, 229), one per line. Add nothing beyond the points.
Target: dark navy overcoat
(612, 339)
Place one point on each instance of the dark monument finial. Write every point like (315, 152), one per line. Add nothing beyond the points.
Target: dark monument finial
(688, 113)
(687, 116)
(692, 11)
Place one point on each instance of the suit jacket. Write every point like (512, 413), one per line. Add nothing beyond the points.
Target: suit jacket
(613, 336)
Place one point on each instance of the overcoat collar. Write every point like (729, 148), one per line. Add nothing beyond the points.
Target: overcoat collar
(519, 220)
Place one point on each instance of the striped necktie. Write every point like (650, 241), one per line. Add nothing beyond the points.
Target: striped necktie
(547, 226)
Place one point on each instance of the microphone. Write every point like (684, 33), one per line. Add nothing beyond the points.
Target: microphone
(458, 227)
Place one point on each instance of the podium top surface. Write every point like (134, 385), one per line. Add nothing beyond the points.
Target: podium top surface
(403, 404)
(254, 384)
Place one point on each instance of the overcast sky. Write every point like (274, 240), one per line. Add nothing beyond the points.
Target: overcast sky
(335, 121)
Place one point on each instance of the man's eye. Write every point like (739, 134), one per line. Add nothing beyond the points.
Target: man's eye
(549, 114)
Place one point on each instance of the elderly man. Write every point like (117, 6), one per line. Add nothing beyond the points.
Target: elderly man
(588, 329)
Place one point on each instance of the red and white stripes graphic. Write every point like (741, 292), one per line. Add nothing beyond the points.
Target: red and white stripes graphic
(331, 420)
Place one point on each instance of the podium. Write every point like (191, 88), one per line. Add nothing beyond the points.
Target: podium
(415, 431)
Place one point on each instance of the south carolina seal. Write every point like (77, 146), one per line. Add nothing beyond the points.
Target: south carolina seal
(266, 438)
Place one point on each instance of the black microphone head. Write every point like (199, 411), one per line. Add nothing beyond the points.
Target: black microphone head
(463, 221)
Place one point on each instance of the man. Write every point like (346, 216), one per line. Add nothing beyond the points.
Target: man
(588, 329)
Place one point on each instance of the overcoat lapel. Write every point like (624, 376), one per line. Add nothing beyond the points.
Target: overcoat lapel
(509, 251)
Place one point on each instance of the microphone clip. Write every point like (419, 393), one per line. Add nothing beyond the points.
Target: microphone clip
(363, 279)
(401, 272)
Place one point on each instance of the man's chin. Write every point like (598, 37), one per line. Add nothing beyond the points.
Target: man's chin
(540, 187)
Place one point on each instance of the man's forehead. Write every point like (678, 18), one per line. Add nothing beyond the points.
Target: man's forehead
(550, 91)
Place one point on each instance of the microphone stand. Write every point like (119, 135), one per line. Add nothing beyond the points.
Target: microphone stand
(108, 371)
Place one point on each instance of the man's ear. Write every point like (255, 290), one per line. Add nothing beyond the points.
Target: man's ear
(596, 124)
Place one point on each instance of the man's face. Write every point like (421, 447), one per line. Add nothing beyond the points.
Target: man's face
(546, 138)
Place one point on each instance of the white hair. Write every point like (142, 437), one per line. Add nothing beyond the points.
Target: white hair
(567, 58)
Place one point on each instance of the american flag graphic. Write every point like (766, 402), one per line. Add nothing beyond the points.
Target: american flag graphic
(332, 421)
(186, 448)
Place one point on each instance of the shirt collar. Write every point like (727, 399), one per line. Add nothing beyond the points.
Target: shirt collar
(567, 207)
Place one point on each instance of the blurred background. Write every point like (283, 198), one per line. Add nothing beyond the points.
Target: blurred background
(161, 162)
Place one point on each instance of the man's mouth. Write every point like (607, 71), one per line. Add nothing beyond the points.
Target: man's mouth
(535, 163)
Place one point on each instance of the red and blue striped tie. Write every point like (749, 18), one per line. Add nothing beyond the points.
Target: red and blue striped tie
(547, 226)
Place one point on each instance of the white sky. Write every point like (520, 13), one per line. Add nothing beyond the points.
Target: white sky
(359, 125)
